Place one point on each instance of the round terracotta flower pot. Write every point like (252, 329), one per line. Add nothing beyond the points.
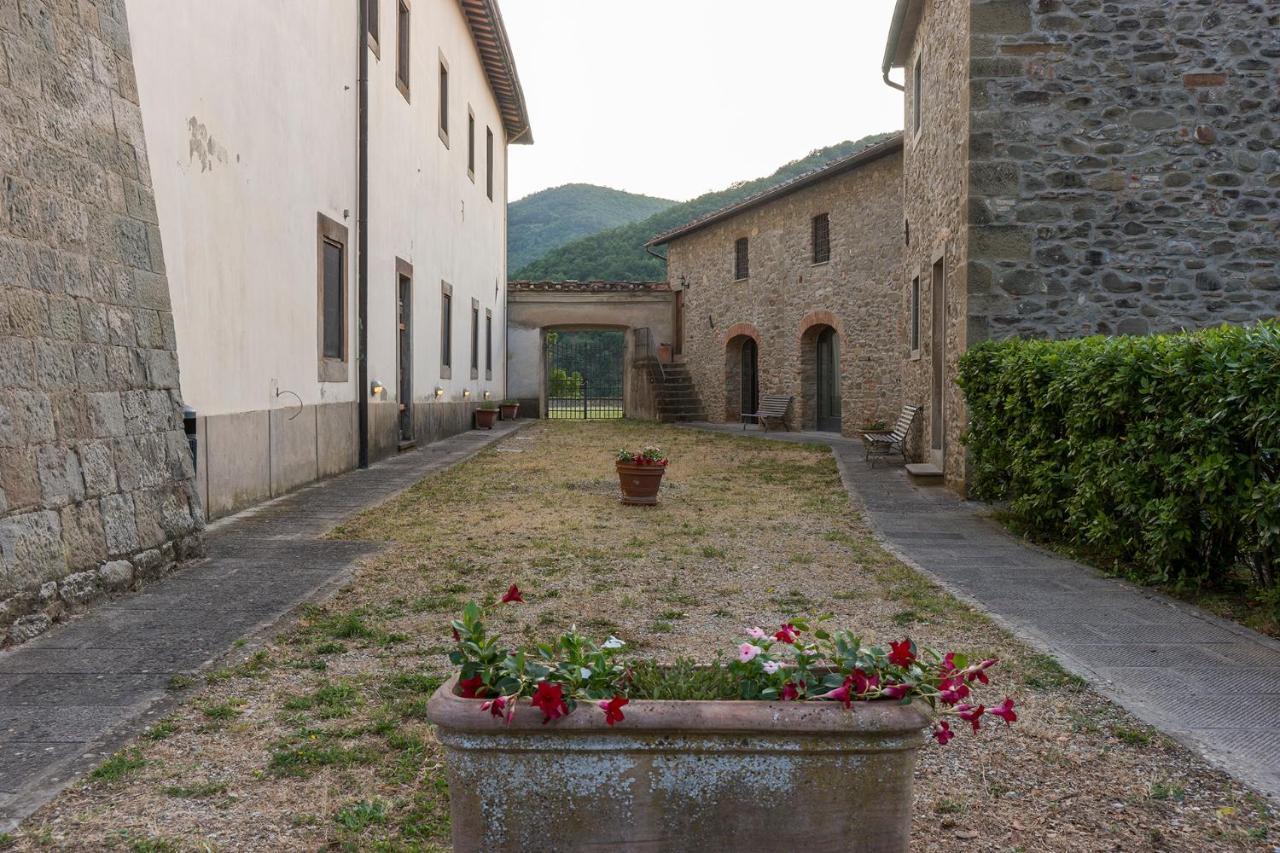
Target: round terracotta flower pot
(640, 483)
(681, 776)
(485, 418)
(510, 413)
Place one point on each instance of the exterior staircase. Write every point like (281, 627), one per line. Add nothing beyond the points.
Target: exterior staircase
(677, 399)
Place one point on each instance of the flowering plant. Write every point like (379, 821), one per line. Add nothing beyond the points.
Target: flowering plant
(802, 660)
(648, 455)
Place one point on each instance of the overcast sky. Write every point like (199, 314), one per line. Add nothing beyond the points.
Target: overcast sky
(673, 98)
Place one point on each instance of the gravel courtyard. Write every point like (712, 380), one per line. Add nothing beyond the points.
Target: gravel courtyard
(318, 737)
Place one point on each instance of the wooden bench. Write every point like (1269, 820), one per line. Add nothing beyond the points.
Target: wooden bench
(772, 407)
(894, 441)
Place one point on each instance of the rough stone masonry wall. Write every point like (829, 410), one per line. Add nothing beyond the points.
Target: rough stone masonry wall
(858, 292)
(95, 475)
(935, 199)
(1125, 173)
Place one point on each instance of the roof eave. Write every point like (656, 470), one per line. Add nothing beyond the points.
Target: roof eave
(494, 47)
(902, 32)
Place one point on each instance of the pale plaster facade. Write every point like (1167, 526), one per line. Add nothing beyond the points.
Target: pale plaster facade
(247, 154)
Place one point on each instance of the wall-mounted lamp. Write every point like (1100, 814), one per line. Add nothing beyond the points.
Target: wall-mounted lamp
(375, 388)
(486, 395)
(439, 392)
(684, 282)
(466, 392)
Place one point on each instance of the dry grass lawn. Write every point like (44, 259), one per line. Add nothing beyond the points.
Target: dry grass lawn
(317, 738)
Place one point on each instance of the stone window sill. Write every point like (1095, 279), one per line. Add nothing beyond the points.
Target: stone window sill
(914, 356)
(821, 263)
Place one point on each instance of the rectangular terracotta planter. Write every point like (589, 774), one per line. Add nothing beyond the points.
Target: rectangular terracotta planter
(681, 776)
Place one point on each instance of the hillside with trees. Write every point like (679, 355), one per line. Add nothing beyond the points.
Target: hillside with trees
(618, 254)
(546, 220)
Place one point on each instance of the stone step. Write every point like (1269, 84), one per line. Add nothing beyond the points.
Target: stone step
(925, 473)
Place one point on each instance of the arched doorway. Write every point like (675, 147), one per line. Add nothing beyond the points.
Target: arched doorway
(827, 377)
(741, 376)
(750, 394)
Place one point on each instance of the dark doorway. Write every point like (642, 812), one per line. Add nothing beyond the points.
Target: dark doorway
(939, 343)
(750, 394)
(404, 350)
(828, 376)
(584, 373)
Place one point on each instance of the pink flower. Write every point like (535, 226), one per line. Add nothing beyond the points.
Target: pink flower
(900, 653)
(746, 652)
(1005, 711)
(791, 691)
(787, 634)
(943, 733)
(843, 693)
(755, 633)
(971, 714)
(549, 698)
(895, 691)
(952, 690)
(948, 664)
(770, 666)
(613, 709)
(513, 594)
(862, 682)
(977, 672)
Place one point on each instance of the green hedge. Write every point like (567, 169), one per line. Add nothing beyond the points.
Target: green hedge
(1161, 453)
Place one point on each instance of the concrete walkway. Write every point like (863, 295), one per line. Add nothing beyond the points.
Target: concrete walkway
(1212, 684)
(75, 694)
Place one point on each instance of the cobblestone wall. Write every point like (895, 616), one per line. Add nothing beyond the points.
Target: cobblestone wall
(95, 475)
(787, 298)
(1125, 173)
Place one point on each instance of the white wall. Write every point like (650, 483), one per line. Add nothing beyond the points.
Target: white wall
(249, 109)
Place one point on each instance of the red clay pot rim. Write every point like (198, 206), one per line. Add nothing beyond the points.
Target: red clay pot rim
(628, 466)
(451, 711)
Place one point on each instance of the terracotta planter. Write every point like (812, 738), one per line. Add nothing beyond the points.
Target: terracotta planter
(681, 776)
(640, 483)
(510, 413)
(486, 418)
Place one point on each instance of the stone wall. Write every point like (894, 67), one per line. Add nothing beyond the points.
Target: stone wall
(786, 298)
(935, 190)
(1126, 167)
(95, 474)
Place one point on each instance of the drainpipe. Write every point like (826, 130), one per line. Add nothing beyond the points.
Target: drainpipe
(362, 236)
(891, 84)
(895, 30)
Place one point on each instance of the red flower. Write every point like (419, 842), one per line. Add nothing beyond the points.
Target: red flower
(952, 690)
(971, 714)
(1005, 711)
(495, 706)
(943, 733)
(948, 664)
(841, 693)
(862, 682)
(977, 672)
(513, 594)
(900, 654)
(791, 691)
(456, 636)
(471, 687)
(895, 691)
(549, 699)
(613, 709)
(787, 635)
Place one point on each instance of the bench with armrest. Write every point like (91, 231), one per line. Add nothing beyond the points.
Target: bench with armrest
(773, 407)
(893, 441)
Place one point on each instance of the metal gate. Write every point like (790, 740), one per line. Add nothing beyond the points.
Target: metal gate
(584, 373)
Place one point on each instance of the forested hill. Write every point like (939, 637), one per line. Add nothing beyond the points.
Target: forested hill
(618, 254)
(546, 220)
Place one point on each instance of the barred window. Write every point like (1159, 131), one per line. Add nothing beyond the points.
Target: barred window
(821, 238)
(740, 266)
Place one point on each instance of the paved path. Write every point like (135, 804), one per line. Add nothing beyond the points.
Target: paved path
(76, 693)
(1210, 683)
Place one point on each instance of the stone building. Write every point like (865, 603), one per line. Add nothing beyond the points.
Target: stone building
(259, 180)
(1072, 167)
(96, 489)
(796, 291)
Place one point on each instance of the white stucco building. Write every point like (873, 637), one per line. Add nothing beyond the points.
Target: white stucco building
(252, 116)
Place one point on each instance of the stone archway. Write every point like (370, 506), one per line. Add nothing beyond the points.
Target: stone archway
(820, 404)
(741, 370)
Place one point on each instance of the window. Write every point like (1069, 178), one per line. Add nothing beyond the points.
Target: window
(402, 47)
(446, 331)
(740, 259)
(488, 162)
(821, 238)
(444, 102)
(475, 339)
(471, 144)
(488, 344)
(371, 26)
(917, 88)
(915, 315)
(331, 294)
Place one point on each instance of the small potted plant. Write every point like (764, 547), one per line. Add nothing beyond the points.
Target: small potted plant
(486, 415)
(640, 475)
(806, 738)
(510, 409)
